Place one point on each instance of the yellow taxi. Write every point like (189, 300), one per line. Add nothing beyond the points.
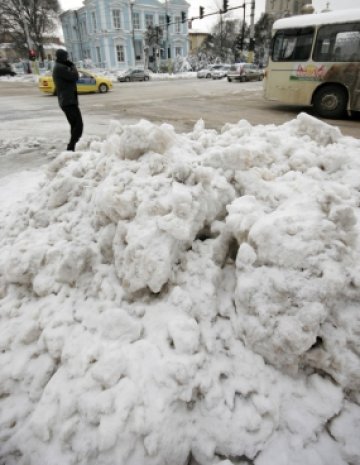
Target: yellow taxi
(87, 82)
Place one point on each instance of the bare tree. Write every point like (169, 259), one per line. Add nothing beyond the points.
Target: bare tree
(223, 42)
(263, 37)
(28, 21)
(153, 38)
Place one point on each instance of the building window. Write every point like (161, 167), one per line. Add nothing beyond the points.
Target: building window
(149, 20)
(136, 20)
(138, 50)
(93, 20)
(116, 19)
(177, 24)
(98, 55)
(83, 29)
(67, 31)
(161, 20)
(178, 51)
(120, 55)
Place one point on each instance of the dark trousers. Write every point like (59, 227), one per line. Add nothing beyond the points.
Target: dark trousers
(73, 115)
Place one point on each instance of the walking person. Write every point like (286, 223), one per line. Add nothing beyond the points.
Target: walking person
(65, 76)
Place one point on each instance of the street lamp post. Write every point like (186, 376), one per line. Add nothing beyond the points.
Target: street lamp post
(132, 3)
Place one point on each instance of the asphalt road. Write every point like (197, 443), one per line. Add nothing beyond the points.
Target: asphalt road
(178, 102)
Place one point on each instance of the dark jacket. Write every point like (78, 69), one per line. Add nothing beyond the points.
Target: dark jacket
(65, 76)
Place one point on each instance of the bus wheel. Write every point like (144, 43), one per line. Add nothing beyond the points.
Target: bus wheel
(330, 101)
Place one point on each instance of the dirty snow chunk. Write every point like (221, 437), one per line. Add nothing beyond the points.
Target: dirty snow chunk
(167, 297)
(345, 429)
(117, 324)
(115, 201)
(243, 214)
(73, 263)
(61, 190)
(147, 259)
(184, 334)
(144, 137)
(24, 261)
(319, 132)
(110, 368)
(246, 255)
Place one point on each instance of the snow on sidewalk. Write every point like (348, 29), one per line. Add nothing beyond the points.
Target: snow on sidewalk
(185, 298)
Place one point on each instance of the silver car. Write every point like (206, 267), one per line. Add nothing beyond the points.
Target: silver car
(221, 72)
(245, 72)
(133, 74)
(206, 72)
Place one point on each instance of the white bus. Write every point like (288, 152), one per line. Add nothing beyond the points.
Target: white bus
(315, 60)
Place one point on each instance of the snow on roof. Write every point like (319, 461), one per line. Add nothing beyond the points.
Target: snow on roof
(197, 31)
(331, 17)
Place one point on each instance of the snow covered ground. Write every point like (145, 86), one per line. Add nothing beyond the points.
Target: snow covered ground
(183, 299)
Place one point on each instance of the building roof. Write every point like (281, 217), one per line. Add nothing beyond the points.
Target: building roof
(331, 17)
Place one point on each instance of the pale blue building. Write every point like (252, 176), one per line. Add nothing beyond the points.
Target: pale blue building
(111, 32)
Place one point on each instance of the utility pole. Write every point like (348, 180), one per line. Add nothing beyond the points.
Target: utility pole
(221, 38)
(243, 30)
(252, 33)
(167, 21)
(132, 2)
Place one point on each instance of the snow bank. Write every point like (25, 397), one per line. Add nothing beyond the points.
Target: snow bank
(111, 74)
(20, 78)
(185, 298)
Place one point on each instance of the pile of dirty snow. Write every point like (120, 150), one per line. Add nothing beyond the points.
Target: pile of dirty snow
(185, 299)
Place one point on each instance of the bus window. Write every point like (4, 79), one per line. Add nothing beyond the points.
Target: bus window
(338, 42)
(292, 44)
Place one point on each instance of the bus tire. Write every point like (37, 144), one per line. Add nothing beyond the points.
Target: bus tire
(330, 101)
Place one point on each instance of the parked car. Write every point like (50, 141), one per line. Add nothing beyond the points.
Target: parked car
(133, 74)
(87, 82)
(206, 72)
(221, 72)
(6, 69)
(245, 72)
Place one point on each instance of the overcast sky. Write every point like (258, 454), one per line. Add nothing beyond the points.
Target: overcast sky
(214, 5)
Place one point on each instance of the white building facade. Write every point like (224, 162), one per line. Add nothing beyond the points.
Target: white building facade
(111, 32)
(281, 8)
